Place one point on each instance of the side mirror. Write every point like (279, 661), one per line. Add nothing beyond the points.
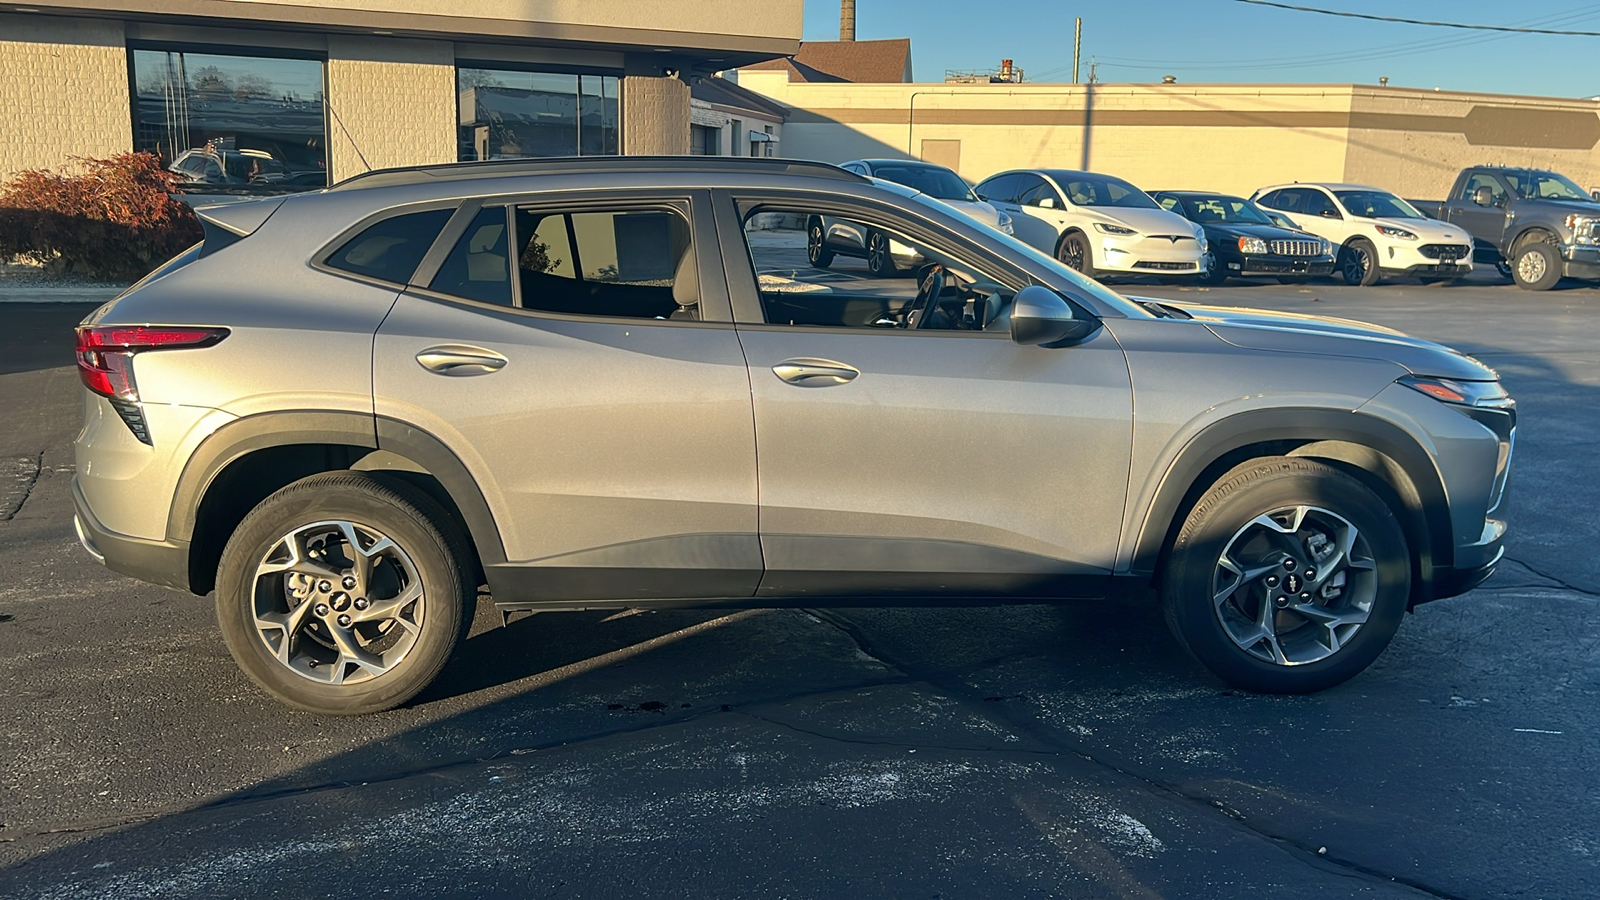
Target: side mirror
(1047, 203)
(1040, 318)
(1595, 193)
(1331, 213)
(1483, 196)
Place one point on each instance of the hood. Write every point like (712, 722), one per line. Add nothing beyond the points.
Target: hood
(1144, 221)
(1215, 230)
(1259, 329)
(1425, 229)
(981, 211)
(1581, 207)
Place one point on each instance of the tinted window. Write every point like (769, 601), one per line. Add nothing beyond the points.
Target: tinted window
(1483, 179)
(1316, 203)
(1287, 200)
(1041, 192)
(1001, 187)
(940, 184)
(391, 249)
(1101, 190)
(621, 263)
(476, 269)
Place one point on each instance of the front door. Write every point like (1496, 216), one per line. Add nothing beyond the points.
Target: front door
(590, 381)
(1486, 224)
(904, 460)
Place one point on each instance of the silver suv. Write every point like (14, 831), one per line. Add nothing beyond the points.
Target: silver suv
(597, 383)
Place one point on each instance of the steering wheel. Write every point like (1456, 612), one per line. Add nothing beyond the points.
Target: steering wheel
(928, 291)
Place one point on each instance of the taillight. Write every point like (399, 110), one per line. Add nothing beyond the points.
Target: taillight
(105, 361)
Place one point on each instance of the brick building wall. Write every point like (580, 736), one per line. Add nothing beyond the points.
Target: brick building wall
(391, 103)
(655, 115)
(63, 91)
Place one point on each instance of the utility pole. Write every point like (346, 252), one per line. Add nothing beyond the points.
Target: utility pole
(1077, 47)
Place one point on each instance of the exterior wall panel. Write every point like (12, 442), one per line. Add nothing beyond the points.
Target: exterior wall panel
(63, 91)
(390, 103)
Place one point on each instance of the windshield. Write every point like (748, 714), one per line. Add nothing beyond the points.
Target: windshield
(1534, 185)
(1102, 190)
(1055, 267)
(1377, 205)
(1221, 208)
(940, 184)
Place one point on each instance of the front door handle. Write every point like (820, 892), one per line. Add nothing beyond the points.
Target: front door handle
(808, 372)
(459, 360)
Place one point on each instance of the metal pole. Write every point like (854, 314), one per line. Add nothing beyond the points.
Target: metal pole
(1077, 46)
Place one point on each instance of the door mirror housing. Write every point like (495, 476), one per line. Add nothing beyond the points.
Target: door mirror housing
(1041, 318)
(1047, 203)
(1483, 196)
(1330, 213)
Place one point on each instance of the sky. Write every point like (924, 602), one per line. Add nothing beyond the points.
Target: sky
(1226, 41)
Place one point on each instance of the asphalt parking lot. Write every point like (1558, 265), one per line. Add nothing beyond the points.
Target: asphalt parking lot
(1024, 751)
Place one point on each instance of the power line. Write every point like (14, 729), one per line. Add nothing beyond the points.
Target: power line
(1356, 15)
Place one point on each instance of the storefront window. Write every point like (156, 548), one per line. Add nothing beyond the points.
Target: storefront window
(242, 124)
(507, 113)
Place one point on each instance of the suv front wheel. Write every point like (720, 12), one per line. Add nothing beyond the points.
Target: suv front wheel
(341, 594)
(1289, 576)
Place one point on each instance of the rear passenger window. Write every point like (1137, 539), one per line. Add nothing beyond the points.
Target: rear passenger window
(477, 268)
(391, 249)
(620, 263)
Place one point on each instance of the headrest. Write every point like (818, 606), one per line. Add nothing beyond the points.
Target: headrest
(686, 280)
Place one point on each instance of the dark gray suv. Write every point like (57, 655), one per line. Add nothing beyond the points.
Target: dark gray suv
(609, 383)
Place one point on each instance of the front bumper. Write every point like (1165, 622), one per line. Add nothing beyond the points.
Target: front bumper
(1581, 262)
(1436, 270)
(1138, 254)
(1473, 564)
(1257, 265)
(160, 562)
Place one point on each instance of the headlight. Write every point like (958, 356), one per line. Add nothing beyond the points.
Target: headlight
(1004, 224)
(1390, 231)
(1252, 245)
(1585, 229)
(1200, 238)
(1104, 228)
(1327, 247)
(1475, 394)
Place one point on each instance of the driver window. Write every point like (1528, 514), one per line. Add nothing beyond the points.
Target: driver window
(1318, 204)
(824, 270)
(1040, 193)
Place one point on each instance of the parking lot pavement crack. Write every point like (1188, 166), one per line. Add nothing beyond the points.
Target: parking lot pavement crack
(1559, 582)
(1306, 852)
(25, 475)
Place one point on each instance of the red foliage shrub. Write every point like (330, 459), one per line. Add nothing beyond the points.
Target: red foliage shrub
(113, 219)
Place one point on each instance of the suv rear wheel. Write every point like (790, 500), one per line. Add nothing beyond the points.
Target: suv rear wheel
(1289, 576)
(341, 594)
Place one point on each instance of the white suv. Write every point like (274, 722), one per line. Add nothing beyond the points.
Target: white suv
(1097, 224)
(1377, 233)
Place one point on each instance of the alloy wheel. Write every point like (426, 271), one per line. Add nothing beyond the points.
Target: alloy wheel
(1356, 264)
(1294, 585)
(878, 253)
(1072, 254)
(1531, 267)
(337, 602)
(814, 243)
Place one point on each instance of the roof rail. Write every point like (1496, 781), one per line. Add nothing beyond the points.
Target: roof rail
(567, 165)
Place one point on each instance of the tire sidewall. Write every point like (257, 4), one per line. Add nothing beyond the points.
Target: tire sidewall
(366, 502)
(1552, 270)
(1372, 274)
(1241, 496)
(887, 268)
(821, 257)
(1086, 268)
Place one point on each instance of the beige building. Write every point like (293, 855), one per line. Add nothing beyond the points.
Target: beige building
(1231, 138)
(271, 94)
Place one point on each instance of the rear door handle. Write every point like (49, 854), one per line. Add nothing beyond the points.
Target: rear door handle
(808, 372)
(459, 360)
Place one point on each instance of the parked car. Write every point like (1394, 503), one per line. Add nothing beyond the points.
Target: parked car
(564, 379)
(1097, 224)
(1377, 234)
(1535, 226)
(1245, 243)
(827, 237)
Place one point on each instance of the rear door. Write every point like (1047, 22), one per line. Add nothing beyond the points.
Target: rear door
(578, 357)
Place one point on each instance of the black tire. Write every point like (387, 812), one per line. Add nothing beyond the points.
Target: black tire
(1193, 574)
(1074, 252)
(819, 256)
(880, 258)
(1358, 263)
(1537, 266)
(1504, 268)
(427, 549)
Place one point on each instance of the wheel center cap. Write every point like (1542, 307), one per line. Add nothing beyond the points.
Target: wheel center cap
(1291, 583)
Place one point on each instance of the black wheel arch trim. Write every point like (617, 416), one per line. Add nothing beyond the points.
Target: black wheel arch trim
(1423, 497)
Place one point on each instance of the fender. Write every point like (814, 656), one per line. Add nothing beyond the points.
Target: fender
(242, 436)
(1425, 502)
(441, 462)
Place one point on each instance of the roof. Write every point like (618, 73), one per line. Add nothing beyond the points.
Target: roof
(726, 93)
(852, 61)
(567, 165)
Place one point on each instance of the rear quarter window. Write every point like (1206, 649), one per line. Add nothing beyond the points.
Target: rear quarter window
(391, 249)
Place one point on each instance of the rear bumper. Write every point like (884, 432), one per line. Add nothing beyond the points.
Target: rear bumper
(159, 562)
